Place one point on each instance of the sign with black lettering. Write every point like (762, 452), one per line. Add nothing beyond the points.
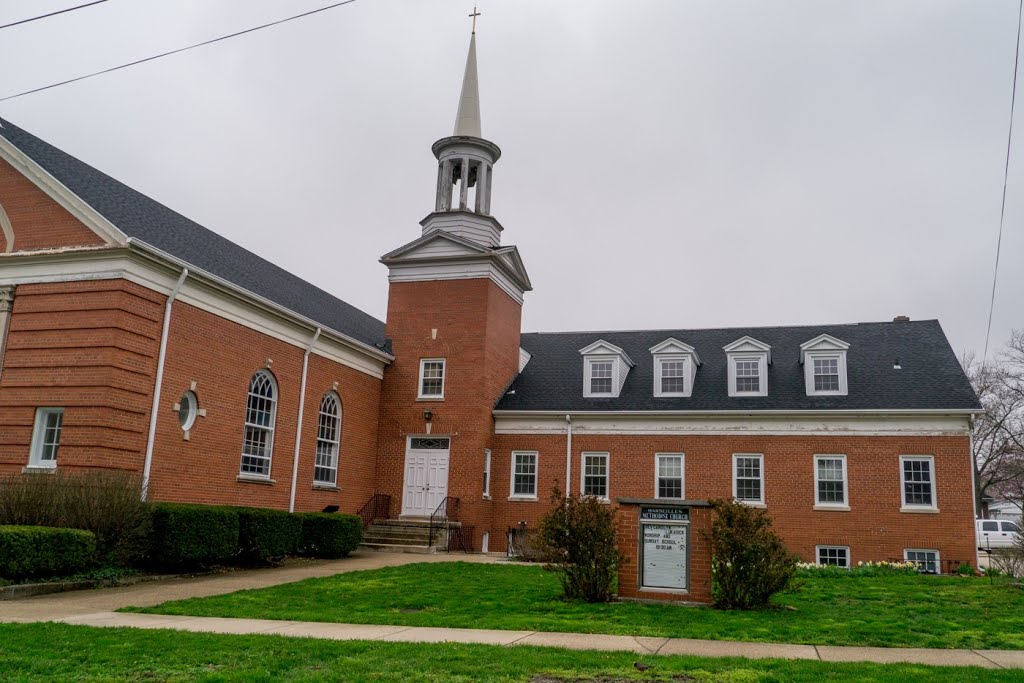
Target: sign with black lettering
(665, 514)
(664, 559)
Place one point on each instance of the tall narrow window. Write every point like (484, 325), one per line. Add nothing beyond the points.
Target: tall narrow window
(918, 478)
(431, 378)
(487, 473)
(601, 376)
(260, 415)
(524, 474)
(595, 475)
(830, 480)
(46, 437)
(669, 475)
(328, 440)
(748, 478)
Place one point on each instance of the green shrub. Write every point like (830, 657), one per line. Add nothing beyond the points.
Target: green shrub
(186, 536)
(106, 502)
(576, 538)
(38, 551)
(749, 562)
(265, 534)
(329, 535)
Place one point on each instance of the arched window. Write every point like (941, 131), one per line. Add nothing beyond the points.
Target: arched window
(328, 437)
(260, 414)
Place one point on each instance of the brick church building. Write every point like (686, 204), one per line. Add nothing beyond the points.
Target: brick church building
(133, 338)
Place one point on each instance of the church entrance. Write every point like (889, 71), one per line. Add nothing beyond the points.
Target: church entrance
(426, 475)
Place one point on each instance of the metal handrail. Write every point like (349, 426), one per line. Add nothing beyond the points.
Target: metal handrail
(378, 507)
(447, 511)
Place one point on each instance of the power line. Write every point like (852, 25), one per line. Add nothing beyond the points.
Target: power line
(1006, 175)
(52, 14)
(174, 52)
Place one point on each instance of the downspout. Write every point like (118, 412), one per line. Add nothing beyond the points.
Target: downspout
(568, 455)
(302, 406)
(159, 382)
(974, 476)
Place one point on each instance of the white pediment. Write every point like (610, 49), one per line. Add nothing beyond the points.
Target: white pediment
(673, 345)
(435, 245)
(603, 348)
(748, 344)
(823, 342)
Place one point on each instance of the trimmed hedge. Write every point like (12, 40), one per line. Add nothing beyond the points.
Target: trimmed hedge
(186, 536)
(329, 535)
(37, 551)
(265, 534)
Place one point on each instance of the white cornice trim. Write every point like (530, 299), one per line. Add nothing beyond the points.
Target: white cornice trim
(59, 193)
(8, 231)
(725, 413)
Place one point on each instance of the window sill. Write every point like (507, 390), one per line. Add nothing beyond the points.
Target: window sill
(752, 503)
(669, 591)
(920, 510)
(325, 487)
(529, 499)
(251, 479)
(833, 508)
(430, 398)
(486, 496)
(39, 469)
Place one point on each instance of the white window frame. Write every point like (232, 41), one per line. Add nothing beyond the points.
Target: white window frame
(487, 474)
(818, 503)
(35, 455)
(588, 376)
(938, 558)
(918, 507)
(269, 428)
(607, 472)
(735, 471)
(333, 445)
(762, 373)
(810, 357)
(659, 361)
(819, 548)
(536, 476)
(444, 379)
(658, 457)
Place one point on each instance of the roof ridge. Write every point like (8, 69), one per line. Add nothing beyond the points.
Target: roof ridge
(736, 327)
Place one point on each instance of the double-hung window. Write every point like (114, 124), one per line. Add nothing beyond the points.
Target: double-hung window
(748, 478)
(671, 377)
(260, 415)
(830, 481)
(835, 555)
(669, 475)
(826, 374)
(748, 376)
(524, 474)
(917, 478)
(601, 372)
(595, 475)
(328, 440)
(46, 437)
(431, 378)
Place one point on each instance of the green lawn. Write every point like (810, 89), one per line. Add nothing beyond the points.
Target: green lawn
(59, 652)
(889, 611)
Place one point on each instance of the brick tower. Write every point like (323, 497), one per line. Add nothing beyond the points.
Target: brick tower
(454, 309)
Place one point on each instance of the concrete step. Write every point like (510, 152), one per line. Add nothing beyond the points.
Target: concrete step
(396, 540)
(388, 547)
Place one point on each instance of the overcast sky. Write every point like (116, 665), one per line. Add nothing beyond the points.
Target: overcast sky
(666, 163)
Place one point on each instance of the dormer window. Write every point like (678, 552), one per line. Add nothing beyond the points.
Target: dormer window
(605, 367)
(675, 365)
(748, 361)
(824, 361)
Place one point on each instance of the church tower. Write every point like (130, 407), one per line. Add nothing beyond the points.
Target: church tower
(454, 308)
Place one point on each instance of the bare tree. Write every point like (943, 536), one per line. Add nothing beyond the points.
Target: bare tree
(998, 433)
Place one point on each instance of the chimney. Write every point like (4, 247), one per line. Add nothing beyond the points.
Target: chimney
(901, 319)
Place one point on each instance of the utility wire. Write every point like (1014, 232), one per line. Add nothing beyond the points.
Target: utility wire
(1006, 175)
(174, 52)
(52, 14)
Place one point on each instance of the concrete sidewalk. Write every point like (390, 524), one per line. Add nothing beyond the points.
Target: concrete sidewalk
(990, 659)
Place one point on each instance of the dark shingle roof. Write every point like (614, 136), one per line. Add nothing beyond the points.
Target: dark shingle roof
(146, 220)
(930, 378)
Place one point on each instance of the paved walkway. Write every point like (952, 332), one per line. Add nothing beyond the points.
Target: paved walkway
(95, 608)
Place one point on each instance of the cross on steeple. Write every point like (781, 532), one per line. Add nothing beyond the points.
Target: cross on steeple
(475, 14)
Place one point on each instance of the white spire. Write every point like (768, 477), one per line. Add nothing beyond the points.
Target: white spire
(467, 121)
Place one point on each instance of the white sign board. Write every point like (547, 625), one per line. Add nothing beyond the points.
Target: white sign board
(664, 555)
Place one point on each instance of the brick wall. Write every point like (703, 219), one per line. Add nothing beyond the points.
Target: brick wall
(874, 528)
(91, 348)
(478, 334)
(37, 221)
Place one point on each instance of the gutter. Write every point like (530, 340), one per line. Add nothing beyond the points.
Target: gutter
(161, 358)
(568, 455)
(733, 413)
(302, 406)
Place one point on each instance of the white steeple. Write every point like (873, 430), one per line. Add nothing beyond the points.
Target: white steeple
(467, 121)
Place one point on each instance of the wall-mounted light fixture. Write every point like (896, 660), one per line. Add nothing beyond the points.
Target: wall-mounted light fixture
(428, 415)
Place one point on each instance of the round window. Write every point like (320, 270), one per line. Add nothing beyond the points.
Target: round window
(187, 411)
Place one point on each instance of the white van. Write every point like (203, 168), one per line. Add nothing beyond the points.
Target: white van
(996, 533)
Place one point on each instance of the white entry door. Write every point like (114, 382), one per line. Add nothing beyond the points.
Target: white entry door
(426, 475)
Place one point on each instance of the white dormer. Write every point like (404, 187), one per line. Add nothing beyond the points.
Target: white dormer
(605, 367)
(748, 361)
(824, 361)
(675, 367)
